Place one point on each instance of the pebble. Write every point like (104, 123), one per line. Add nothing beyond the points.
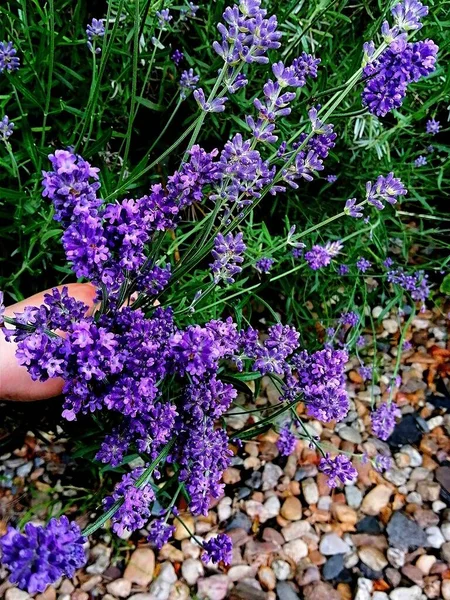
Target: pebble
(286, 591)
(429, 490)
(272, 506)
(406, 593)
(25, 469)
(320, 590)
(179, 591)
(445, 552)
(295, 530)
(432, 423)
(333, 567)
(344, 513)
(414, 574)
(90, 584)
(296, 550)
(350, 434)
(396, 476)
(141, 567)
(120, 588)
(390, 325)
(446, 531)
(191, 570)
(16, 594)
(267, 578)
(239, 572)
(310, 491)
(224, 508)
(331, 544)
(271, 475)
(396, 557)
(435, 537)
(256, 510)
(291, 509)
(281, 569)
(181, 533)
(353, 496)
(213, 588)
(239, 521)
(376, 499)
(364, 591)
(373, 558)
(102, 554)
(405, 533)
(445, 589)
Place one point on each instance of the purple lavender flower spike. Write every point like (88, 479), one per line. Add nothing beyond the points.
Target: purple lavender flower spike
(433, 126)
(363, 265)
(177, 56)
(163, 17)
(352, 209)
(421, 161)
(136, 507)
(321, 381)
(320, 256)
(349, 318)
(332, 179)
(227, 253)
(385, 189)
(218, 549)
(340, 470)
(383, 420)
(264, 264)
(407, 14)
(366, 372)
(160, 532)
(415, 284)
(247, 35)
(382, 463)
(9, 61)
(41, 555)
(286, 442)
(188, 81)
(389, 75)
(94, 31)
(6, 128)
(217, 105)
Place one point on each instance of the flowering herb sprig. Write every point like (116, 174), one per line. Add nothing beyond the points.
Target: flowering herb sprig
(164, 379)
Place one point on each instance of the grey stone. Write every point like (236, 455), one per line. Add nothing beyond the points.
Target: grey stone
(286, 591)
(403, 533)
(333, 567)
(240, 521)
(332, 544)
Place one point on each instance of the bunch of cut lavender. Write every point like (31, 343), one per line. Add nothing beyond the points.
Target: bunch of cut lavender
(164, 381)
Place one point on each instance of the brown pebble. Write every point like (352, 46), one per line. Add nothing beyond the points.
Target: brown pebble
(291, 509)
(345, 591)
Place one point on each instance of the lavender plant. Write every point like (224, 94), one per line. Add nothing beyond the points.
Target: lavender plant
(160, 362)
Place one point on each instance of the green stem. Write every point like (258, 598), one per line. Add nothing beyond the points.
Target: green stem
(133, 112)
(51, 62)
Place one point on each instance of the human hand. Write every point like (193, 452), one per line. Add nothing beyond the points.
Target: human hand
(15, 381)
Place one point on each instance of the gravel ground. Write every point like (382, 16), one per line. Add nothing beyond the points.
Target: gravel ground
(386, 537)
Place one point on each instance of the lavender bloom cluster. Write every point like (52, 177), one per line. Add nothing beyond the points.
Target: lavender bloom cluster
(321, 256)
(415, 284)
(43, 554)
(403, 62)
(94, 31)
(9, 61)
(6, 128)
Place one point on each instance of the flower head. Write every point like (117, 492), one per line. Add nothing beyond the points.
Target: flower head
(9, 61)
(94, 31)
(353, 209)
(188, 81)
(340, 470)
(264, 264)
(407, 14)
(421, 161)
(362, 264)
(217, 105)
(433, 126)
(6, 128)
(218, 549)
(383, 420)
(227, 253)
(385, 189)
(40, 555)
(177, 56)
(320, 256)
(286, 442)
